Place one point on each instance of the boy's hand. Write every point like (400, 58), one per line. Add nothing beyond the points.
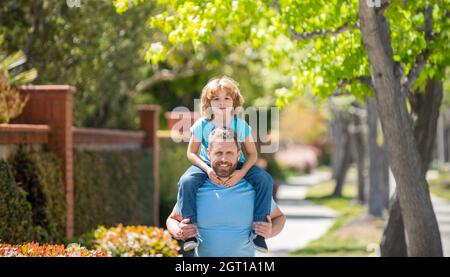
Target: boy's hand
(234, 178)
(263, 229)
(213, 177)
(186, 230)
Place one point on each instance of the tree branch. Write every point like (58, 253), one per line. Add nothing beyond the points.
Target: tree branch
(162, 75)
(340, 92)
(380, 10)
(37, 10)
(422, 58)
(311, 35)
(415, 71)
(363, 79)
(168, 75)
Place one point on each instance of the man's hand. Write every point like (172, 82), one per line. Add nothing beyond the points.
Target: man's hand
(186, 230)
(263, 229)
(213, 177)
(234, 178)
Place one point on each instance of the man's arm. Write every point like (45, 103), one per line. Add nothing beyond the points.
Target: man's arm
(278, 221)
(178, 227)
(273, 227)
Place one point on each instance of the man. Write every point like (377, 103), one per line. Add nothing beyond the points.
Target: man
(225, 214)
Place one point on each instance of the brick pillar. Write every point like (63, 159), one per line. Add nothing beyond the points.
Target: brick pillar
(149, 123)
(52, 105)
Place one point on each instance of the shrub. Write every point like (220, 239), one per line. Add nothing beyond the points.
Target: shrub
(112, 187)
(15, 211)
(132, 241)
(39, 175)
(86, 239)
(33, 249)
(173, 163)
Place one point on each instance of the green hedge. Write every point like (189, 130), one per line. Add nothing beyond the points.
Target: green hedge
(33, 192)
(173, 163)
(112, 187)
(15, 211)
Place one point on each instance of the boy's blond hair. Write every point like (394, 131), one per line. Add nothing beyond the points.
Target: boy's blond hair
(230, 86)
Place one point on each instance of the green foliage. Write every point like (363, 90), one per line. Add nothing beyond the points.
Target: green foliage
(38, 174)
(409, 37)
(112, 188)
(222, 55)
(446, 99)
(11, 63)
(32, 198)
(316, 66)
(273, 167)
(85, 239)
(15, 211)
(173, 163)
(90, 47)
(109, 69)
(11, 102)
(328, 53)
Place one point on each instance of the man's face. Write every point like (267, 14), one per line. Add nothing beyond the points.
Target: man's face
(223, 156)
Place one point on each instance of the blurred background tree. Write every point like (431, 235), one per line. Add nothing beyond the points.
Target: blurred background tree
(312, 129)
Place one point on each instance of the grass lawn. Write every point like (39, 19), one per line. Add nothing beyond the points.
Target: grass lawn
(440, 186)
(353, 233)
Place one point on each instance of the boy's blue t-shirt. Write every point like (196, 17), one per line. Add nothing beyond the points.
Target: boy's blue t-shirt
(203, 127)
(225, 219)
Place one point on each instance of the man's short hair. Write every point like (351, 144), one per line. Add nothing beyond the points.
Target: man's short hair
(223, 135)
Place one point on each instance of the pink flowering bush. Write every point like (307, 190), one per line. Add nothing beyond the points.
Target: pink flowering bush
(33, 249)
(135, 241)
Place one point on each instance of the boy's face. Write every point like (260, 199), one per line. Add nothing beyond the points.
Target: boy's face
(222, 103)
(223, 156)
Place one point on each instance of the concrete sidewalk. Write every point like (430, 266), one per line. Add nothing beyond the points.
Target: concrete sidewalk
(442, 210)
(305, 221)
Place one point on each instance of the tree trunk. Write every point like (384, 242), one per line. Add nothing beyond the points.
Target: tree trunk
(422, 232)
(358, 152)
(425, 107)
(393, 241)
(341, 171)
(341, 153)
(337, 130)
(378, 165)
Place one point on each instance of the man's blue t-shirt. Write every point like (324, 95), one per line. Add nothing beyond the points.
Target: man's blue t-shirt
(203, 127)
(225, 219)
